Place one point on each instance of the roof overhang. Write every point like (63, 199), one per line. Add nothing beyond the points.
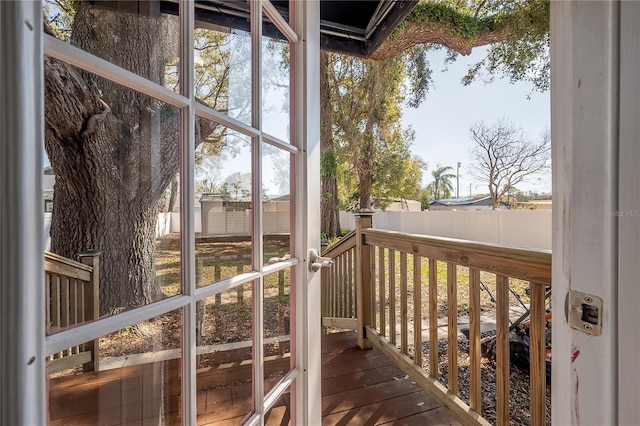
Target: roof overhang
(355, 27)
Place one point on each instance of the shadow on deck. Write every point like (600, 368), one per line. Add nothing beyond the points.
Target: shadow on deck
(358, 388)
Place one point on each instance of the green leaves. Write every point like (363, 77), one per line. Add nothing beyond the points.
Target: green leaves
(515, 31)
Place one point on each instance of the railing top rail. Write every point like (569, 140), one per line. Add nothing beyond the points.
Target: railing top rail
(52, 257)
(346, 243)
(528, 264)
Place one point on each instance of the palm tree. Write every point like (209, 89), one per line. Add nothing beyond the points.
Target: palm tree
(441, 184)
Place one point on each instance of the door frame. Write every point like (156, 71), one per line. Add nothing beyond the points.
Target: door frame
(595, 86)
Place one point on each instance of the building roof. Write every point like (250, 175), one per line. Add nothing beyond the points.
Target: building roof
(461, 201)
(355, 27)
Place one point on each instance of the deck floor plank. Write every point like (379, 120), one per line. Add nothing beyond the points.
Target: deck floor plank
(358, 388)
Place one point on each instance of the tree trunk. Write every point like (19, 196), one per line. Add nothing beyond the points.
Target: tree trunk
(367, 146)
(330, 214)
(365, 168)
(113, 151)
(173, 193)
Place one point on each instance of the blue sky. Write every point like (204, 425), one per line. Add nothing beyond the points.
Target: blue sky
(442, 121)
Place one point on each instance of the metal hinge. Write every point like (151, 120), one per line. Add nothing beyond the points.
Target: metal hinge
(584, 312)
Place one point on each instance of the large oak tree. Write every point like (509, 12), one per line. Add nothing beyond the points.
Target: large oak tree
(114, 151)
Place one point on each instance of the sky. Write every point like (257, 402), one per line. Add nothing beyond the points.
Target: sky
(442, 121)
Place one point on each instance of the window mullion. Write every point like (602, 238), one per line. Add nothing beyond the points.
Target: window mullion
(187, 147)
(258, 241)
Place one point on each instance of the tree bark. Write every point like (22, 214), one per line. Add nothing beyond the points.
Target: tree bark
(113, 151)
(330, 214)
(173, 193)
(366, 156)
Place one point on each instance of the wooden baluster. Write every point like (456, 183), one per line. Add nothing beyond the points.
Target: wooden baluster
(404, 320)
(417, 310)
(333, 294)
(392, 296)
(48, 282)
(382, 292)
(538, 371)
(452, 326)
(336, 288)
(73, 308)
(342, 285)
(433, 318)
(324, 279)
(364, 308)
(474, 339)
(351, 283)
(64, 302)
(92, 305)
(502, 349)
(372, 287)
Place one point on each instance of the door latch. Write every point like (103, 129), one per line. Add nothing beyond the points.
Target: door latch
(316, 261)
(584, 312)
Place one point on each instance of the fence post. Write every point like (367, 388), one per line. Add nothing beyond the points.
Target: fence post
(364, 257)
(92, 304)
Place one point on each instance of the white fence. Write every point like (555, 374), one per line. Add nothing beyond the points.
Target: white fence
(517, 228)
(167, 222)
(234, 223)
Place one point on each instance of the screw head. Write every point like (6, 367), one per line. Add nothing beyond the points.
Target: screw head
(587, 327)
(588, 299)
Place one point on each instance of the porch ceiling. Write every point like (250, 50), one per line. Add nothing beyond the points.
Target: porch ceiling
(355, 27)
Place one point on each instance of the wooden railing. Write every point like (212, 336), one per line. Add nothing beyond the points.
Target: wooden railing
(394, 270)
(72, 298)
(338, 285)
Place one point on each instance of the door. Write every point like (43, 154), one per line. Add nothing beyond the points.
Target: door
(194, 172)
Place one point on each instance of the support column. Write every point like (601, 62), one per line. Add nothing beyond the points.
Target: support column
(92, 305)
(364, 277)
(22, 313)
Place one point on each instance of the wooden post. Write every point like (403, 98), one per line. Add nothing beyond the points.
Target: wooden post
(364, 309)
(92, 304)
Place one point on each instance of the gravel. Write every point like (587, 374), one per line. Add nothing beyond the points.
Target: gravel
(519, 396)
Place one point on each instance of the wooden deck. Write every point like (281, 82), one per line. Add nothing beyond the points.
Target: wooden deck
(358, 388)
(366, 388)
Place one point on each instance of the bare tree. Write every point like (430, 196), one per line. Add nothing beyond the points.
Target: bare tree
(504, 157)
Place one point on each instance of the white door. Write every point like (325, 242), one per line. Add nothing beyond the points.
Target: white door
(217, 108)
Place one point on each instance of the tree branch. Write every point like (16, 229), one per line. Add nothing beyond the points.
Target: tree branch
(434, 22)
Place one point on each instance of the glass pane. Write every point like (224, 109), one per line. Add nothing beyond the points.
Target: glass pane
(223, 70)
(280, 413)
(141, 37)
(276, 204)
(277, 327)
(137, 379)
(276, 84)
(223, 200)
(114, 154)
(224, 378)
